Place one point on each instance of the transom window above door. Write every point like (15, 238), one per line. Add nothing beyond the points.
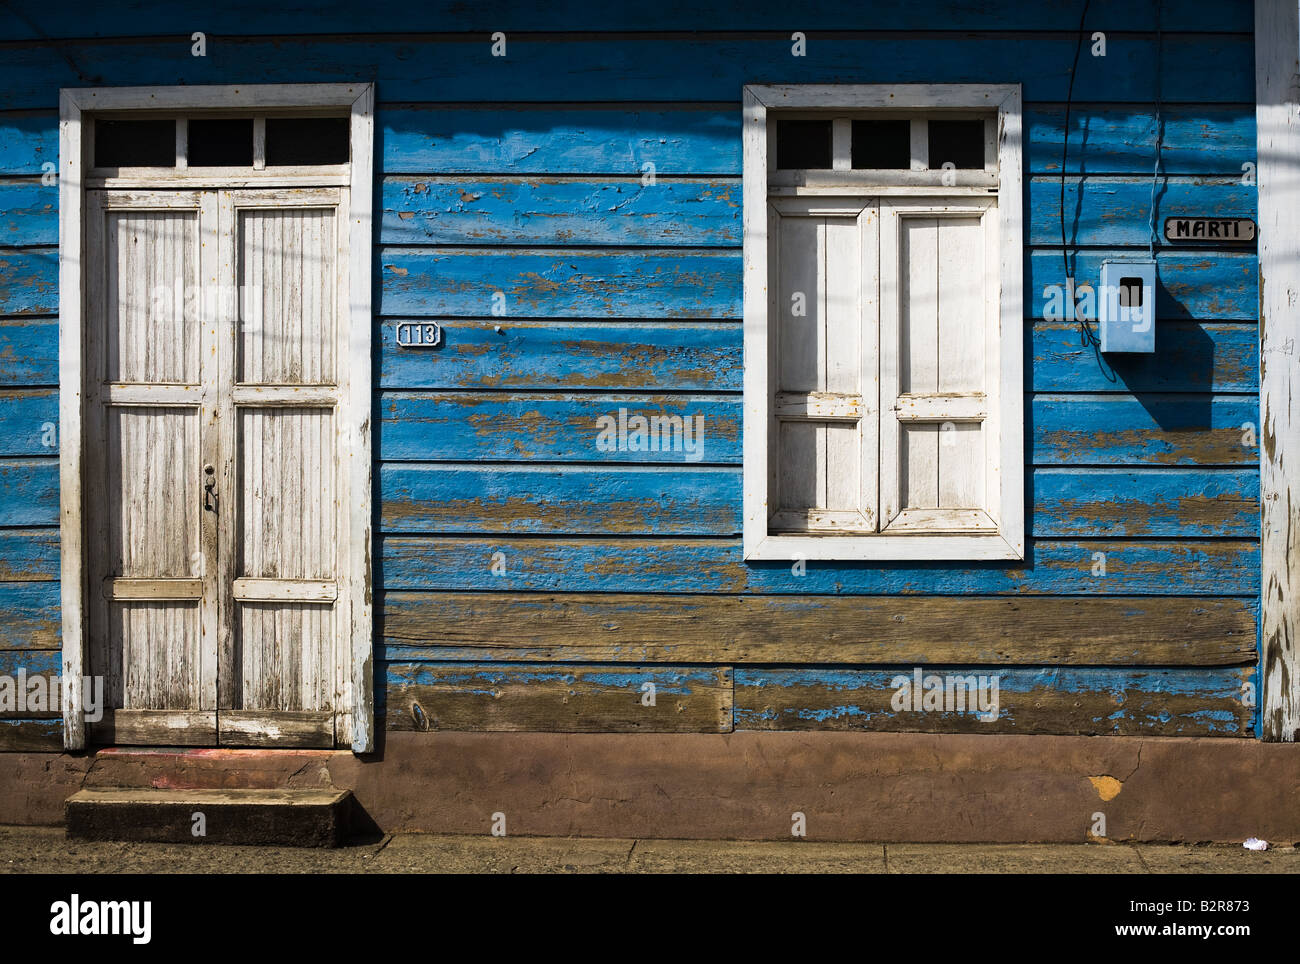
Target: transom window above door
(883, 323)
(877, 146)
(200, 144)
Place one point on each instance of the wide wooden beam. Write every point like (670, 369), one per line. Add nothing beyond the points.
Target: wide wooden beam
(1277, 112)
(559, 699)
(786, 630)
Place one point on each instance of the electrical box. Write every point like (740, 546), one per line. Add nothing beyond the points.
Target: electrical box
(1127, 308)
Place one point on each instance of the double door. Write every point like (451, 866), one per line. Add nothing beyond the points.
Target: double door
(214, 492)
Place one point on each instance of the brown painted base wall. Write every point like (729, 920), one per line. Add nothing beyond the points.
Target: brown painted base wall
(850, 786)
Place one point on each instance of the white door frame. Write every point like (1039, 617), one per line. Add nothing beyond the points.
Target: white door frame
(1277, 133)
(357, 707)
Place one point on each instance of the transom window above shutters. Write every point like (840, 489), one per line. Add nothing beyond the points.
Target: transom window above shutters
(883, 325)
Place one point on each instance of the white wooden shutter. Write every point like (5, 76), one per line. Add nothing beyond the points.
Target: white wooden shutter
(824, 403)
(939, 470)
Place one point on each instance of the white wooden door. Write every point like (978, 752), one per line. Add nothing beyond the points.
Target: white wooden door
(215, 328)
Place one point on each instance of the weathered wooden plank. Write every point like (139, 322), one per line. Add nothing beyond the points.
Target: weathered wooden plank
(705, 500)
(29, 213)
(29, 281)
(28, 141)
(649, 356)
(1212, 567)
(557, 211)
(275, 728)
(659, 628)
(1147, 429)
(1144, 502)
(31, 736)
(565, 699)
(1210, 285)
(29, 420)
(523, 427)
(583, 283)
(32, 662)
(455, 68)
(1108, 211)
(541, 139)
(29, 555)
(30, 696)
(705, 139)
(31, 488)
(241, 17)
(693, 356)
(1190, 357)
(1196, 285)
(702, 500)
(1085, 701)
(29, 351)
(1195, 139)
(30, 615)
(1077, 429)
(146, 727)
(1113, 211)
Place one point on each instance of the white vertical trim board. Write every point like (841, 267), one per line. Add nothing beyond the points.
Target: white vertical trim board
(72, 572)
(1277, 121)
(358, 389)
(355, 707)
(996, 531)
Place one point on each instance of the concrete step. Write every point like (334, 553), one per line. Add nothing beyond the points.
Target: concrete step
(284, 818)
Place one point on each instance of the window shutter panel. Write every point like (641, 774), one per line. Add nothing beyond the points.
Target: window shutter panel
(823, 272)
(938, 367)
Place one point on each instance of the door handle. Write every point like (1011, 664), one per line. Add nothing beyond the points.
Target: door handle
(210, 489)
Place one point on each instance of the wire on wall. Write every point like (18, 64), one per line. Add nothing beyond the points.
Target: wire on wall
(1086, 335)
(1155, 172)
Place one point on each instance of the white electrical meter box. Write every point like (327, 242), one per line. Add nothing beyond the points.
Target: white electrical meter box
(1127, 305)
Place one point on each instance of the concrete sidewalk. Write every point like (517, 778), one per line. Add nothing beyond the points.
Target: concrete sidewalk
(47, 850)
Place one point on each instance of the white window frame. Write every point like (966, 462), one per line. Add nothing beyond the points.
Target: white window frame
(74, 177)
(1008, 541)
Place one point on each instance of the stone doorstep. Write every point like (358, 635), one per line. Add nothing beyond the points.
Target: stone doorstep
(280, 817)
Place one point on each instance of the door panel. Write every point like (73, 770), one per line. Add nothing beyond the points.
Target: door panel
(288, 260)
(283, 663)
(286, 493)
(153, 264)
(153, 593)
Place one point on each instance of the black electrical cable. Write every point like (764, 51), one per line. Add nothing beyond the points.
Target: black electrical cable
(1155, 173)
(1087, 336)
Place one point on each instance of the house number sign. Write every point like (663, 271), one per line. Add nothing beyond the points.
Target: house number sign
(418, 334)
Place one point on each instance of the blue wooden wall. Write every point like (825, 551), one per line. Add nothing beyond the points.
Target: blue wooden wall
(522, 174)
